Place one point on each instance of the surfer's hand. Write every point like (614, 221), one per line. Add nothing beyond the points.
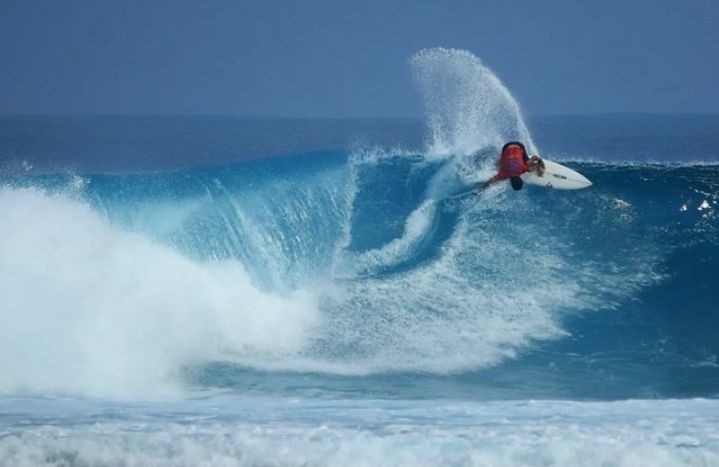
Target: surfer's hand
(538, 163)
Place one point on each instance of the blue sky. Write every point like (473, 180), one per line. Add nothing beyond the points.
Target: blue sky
(349, 58)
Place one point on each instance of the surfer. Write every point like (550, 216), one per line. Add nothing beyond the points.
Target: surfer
(513, 163)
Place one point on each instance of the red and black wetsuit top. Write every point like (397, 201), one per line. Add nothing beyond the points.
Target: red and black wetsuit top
(513, 161)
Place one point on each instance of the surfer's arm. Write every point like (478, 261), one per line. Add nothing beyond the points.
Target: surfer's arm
(486, 184)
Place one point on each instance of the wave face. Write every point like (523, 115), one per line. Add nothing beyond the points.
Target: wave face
(353, 264)
(303, 272)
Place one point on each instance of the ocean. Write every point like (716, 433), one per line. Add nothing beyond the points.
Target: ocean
(221, 291)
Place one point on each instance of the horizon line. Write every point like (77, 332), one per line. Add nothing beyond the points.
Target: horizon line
(335, 118)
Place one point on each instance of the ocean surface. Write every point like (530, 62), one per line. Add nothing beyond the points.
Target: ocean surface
(255, 291)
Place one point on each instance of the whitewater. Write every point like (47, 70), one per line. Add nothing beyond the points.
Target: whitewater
(177, 292)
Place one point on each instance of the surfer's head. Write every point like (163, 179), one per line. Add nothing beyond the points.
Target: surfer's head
(514, 147)
(516, 182)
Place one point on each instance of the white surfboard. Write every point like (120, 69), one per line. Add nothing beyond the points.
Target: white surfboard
(558, 177)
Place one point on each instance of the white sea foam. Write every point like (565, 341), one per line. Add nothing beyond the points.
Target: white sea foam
(469, 308)
(394, 433)
(89, 308)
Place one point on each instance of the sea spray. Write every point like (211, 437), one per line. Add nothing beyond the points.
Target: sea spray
(467, 107)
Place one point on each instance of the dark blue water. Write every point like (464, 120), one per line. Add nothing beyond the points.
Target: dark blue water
(131, 144)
